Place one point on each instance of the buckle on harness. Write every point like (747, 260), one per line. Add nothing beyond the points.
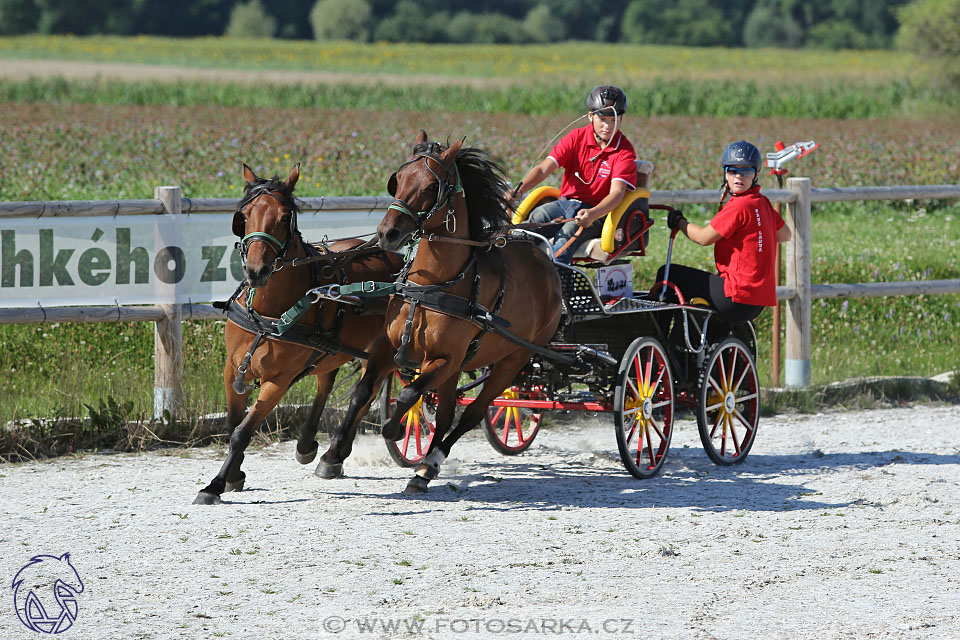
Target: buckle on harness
(330, 292)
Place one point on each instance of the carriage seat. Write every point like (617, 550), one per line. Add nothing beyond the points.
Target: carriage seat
(625, 229)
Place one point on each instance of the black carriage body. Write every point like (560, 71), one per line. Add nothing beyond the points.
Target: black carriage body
(687, 333)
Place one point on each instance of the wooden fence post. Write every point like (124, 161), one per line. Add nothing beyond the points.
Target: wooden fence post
(797, 362)
(168, 335)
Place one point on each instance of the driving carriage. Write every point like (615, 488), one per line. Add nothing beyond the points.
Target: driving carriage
(462, 302)
(640, 356)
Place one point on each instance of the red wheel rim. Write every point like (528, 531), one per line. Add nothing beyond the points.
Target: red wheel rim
(731, 407)
(513, 427)
(419, 427)
(648, 408)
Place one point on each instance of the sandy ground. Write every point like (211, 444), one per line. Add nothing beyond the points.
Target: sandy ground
(16, 69)
(839, 525)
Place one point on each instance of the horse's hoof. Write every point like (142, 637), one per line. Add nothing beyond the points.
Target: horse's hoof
(207, 498)
(235, 486)
(307, 458)
(329, 471)
(392, 435)
(416, 486)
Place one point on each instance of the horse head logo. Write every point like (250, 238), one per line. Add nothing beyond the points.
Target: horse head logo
(45, 594)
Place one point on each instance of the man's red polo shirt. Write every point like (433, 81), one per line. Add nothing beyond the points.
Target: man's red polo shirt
(578, 153)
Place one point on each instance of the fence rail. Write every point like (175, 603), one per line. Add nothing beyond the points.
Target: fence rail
(80, 208)
(798, 292)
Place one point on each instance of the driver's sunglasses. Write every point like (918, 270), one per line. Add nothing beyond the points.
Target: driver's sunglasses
(740, 171)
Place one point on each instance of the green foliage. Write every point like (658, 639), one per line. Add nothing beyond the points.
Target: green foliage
(410, 22)
(341, 20)
(17, 16)
(680, 22)
(722, 98)
(837, 34)
(687, 22)
(542, 25)
(251, 20)
(485, 28)
(109, 415)
(82, 16)
(931, 29)
(770, 25)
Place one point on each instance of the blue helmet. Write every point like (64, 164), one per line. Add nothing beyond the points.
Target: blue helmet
(742, 153)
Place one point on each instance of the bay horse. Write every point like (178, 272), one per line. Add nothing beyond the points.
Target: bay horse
(451, 202)
(266, 222)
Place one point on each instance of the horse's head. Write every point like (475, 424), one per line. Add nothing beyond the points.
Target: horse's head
(422, 187)
(266, 222)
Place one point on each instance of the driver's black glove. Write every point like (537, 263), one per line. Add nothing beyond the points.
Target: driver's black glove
(674, 218)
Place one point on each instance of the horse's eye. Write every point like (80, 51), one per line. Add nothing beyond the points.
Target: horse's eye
(286, 219)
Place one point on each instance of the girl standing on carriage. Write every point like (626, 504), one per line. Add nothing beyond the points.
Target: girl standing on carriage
(745, 233)
(599, 167)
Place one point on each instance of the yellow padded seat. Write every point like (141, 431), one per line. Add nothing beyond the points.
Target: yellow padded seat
(607, 240)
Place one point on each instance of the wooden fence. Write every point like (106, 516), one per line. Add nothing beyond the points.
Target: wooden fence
(798, 293)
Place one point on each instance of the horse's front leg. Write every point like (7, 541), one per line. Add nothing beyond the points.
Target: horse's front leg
(501, 376)
(379, 365)
(446, 407)
(307, 446)
(230, 477)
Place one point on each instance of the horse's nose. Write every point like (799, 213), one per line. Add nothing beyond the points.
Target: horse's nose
(390, 239)
(256, 277)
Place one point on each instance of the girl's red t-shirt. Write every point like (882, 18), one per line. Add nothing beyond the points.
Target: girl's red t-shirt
(746, 253)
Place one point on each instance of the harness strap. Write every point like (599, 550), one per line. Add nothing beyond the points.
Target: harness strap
(304, 336)
(366, 248)
(239, 385)
(401, 357)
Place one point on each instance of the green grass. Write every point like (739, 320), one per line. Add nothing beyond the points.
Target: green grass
(719, 98)
(530, 79)
(515, 64)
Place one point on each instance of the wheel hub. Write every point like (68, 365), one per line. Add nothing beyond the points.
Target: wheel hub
(729, 402)
(648, 408)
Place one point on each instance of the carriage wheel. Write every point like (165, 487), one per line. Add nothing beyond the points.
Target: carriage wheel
(511, 430)
(643, 407)
(728, 402)
(419, 423)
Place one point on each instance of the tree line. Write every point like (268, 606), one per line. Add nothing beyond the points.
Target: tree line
(829, 24)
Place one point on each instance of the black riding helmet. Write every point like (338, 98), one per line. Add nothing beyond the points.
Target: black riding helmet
(742, 153)
(607, 99)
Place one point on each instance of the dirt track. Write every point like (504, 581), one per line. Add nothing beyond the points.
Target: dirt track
(841, 525)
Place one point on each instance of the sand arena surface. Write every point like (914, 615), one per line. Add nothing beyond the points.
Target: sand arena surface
(838, 525)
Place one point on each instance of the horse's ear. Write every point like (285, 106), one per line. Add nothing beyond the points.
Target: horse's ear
(392, 184)
(421, 138)
(248, 175)
(451, 154)
(239, 224)
(292, 178)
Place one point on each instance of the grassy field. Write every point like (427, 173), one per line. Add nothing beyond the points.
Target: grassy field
(532, 79)
(64, 140)
(514, 64)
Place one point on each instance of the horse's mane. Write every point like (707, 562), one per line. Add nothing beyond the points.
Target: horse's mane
(272, 185)
(484, 183)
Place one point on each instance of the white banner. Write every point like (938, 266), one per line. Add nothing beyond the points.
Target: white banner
(149, 259)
